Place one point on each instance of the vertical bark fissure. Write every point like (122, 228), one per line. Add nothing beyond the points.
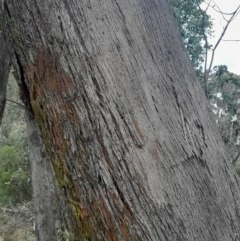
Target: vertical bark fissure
(4, 72)
(24, 92)
(5, 8)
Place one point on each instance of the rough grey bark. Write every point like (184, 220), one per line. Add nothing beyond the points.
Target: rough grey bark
(4, 72)
(41, 183)
(124, 120)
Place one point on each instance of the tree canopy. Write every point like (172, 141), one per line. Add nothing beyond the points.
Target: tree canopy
(194, 25)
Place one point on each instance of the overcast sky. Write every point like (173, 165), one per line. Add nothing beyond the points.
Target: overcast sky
(227, 53)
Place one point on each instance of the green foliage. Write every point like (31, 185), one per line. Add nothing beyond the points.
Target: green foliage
(15, 183)
(192, 24)
(224, 94)
(238, 170)
(220, 70)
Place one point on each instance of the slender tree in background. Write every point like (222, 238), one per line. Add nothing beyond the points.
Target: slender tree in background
(123, 120)
(41, 183)
(195, 27)
(207, 69)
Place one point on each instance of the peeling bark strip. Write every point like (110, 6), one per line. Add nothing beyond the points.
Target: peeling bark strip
(124, 122)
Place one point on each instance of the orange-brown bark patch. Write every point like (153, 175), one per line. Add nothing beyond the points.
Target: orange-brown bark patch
(142, 168)
(154, 153)
(123, 210)
(48, 88)
(111, 236)
(107, 157)
(84, 211)
(56, 130)
(110, 232)
(46, 75)
(106, 215)
(125, 232)
(115, 200)
(138, 128)
(71, 113)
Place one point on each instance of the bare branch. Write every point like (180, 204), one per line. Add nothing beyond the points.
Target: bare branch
(220, 38)
(206, 49)
(15, 102)
(216, 8)
(237, 12)
(208, 5)
(231, 40)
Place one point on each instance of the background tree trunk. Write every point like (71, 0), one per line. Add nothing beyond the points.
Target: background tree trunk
(124, 120)
(41, 183)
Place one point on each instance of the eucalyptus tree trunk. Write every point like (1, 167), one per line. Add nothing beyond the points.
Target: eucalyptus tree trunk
(124, 120)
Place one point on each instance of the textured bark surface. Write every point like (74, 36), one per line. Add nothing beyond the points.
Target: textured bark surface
(124, 120)
(41, 183)
(4, 72)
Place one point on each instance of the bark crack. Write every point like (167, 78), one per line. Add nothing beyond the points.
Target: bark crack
(24, 92)
(7, 9)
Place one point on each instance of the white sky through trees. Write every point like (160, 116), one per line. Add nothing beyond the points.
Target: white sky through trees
(228, 52)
